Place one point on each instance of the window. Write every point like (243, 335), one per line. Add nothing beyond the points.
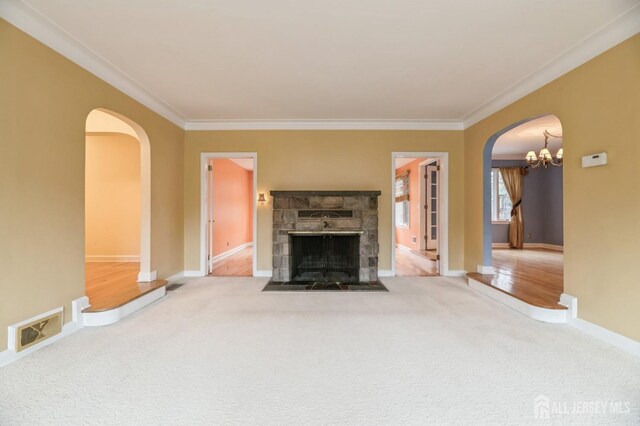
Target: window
(500, 201)
(402, 200)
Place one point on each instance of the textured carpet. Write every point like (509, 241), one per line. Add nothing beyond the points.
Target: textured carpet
(218, 350)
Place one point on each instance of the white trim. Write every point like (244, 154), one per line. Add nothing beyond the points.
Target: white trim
(46, 31)
(204, 158)
(386, 273)
(485, 270)
(9, 356)
(545, 246)
(112, 258)
(535, 312)
(147, 277)
(613, 338)
(613, 33)
(266, 273)
(97, 319)
(443, 236)
(193, 274)
(175, 277)
(231, 252)
(570, 302)
(323, 125)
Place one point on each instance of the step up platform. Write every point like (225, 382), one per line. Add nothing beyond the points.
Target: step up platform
(538, 306)
(108, 310)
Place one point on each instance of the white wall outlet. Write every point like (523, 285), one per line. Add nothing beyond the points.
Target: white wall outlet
(593, 160)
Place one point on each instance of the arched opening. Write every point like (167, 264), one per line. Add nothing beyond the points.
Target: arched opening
(523, 243)
(117, 202)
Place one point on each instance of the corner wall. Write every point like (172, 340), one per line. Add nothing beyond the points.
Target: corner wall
(43, 109)
(598, 104)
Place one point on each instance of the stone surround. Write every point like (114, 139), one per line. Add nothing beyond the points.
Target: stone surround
(363, 206)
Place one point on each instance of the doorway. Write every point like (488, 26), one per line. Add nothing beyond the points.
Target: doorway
(419, 205)
(523, 212)
(228, 214)
(117, 209)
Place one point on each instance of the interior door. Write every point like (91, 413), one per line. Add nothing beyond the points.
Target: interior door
(432, 210)
(210, 220)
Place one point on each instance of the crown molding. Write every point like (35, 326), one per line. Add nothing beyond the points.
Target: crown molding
(47, 32)
(323, 125)
(613, 33)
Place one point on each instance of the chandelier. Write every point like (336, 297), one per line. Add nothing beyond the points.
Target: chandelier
(545, 158)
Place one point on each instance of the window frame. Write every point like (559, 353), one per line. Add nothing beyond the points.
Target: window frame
(402, 198)
(495, 200)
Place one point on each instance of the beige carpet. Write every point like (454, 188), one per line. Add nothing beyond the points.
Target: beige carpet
(218, 350)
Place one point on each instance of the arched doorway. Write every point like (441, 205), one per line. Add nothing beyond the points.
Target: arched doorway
(530, 265)
(117, 197)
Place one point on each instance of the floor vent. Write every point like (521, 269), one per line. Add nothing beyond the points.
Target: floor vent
(174, 286)
(35, 330)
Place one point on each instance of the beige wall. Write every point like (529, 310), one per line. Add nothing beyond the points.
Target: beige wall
(43, 108)
(599, 107)
(329, 160)
(112, 195)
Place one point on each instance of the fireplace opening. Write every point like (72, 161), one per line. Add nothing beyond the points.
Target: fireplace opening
(325, 258)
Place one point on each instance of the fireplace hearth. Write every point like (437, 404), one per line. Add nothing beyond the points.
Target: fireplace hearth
(322, 238)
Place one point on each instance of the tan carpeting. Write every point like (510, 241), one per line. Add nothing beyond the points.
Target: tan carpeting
(220, 351)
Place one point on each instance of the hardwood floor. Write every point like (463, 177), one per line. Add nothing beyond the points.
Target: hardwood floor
(238, 265)
(429, 254)
(533, 276)
(109, 285)
(408, 266)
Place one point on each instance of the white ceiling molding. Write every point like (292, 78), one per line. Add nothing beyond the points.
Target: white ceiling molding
(324, 125)
(43, 29)
(615, 32)
(47, 32)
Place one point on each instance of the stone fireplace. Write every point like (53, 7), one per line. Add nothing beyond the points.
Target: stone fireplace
(328, 236)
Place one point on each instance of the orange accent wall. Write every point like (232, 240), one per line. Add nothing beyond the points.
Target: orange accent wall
(403, 235)
(232, 205)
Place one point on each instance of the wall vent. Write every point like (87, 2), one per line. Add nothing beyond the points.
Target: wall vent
(35, 330)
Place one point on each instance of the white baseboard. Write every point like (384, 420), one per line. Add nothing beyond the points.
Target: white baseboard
(545, 246)
(266, 273)
(147, 277)
(613, 338)
(196, 273)
(112, 258)
(403, 248)
(97, 319)
(9, 356)
(385, 273)
(224, 255)
(485, 270)
(535, 312)
(175, 277)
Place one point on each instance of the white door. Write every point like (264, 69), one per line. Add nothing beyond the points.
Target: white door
(432, 208)
(210, 220)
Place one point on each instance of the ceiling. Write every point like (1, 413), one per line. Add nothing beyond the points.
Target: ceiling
(245, 163)
(293, 60)
(515, 143)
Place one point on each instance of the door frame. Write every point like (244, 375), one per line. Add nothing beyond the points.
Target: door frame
(443, 240)
(204, 191)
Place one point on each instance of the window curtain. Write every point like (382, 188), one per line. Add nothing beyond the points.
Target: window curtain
(512, 178)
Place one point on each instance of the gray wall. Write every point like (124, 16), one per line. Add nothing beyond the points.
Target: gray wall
(541, 205)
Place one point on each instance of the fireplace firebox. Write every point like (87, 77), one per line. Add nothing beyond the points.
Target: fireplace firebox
(325, 258)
